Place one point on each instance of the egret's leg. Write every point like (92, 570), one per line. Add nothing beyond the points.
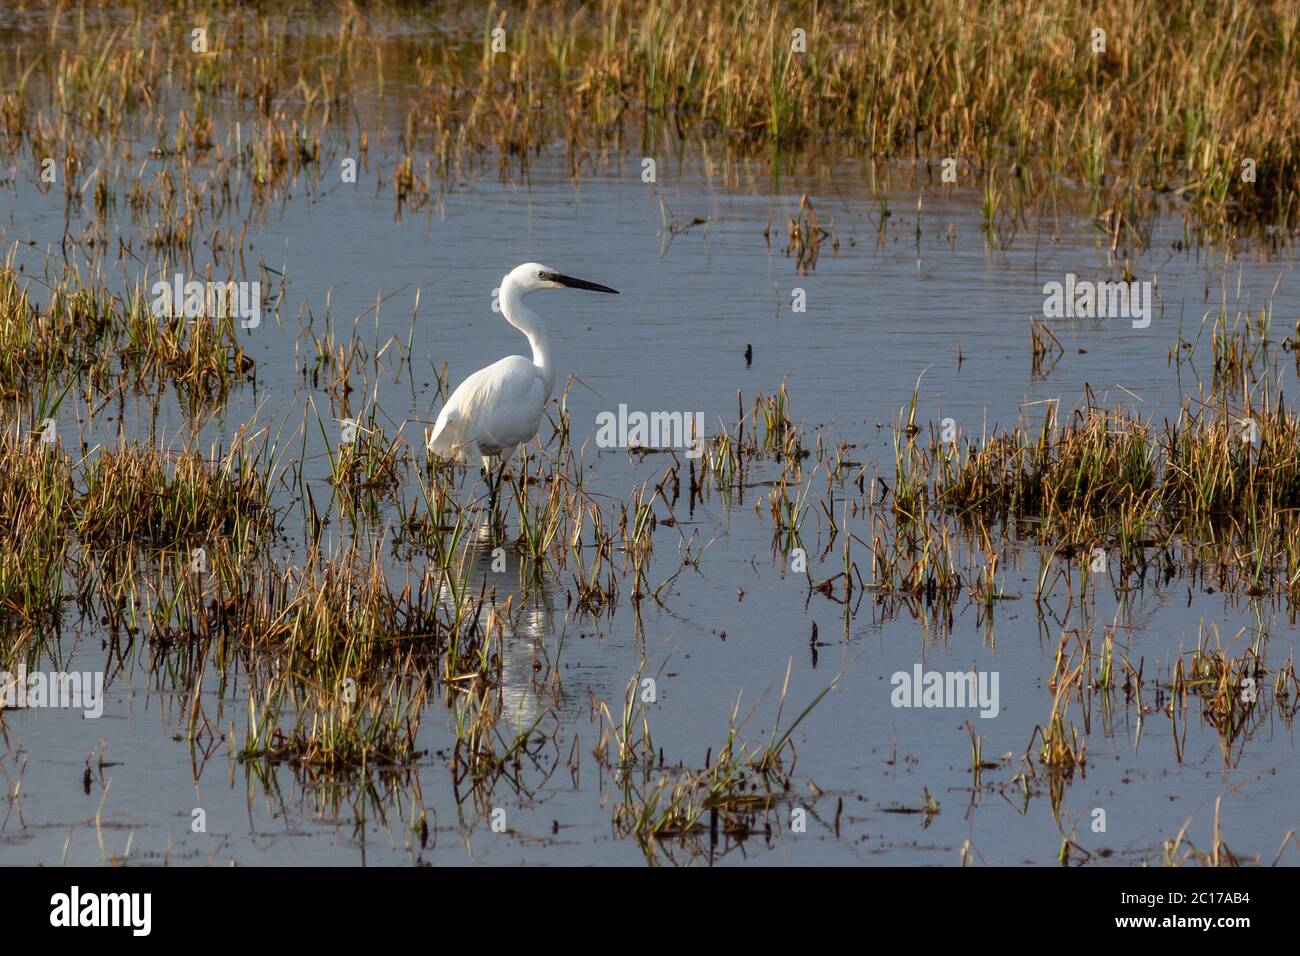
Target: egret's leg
(492, 465)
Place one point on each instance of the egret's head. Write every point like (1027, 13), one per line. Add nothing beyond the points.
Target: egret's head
(532, 276)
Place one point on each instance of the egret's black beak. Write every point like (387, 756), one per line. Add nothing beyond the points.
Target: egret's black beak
(573, 283)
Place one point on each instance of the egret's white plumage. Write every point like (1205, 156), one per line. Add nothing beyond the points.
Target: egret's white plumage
(500, 407)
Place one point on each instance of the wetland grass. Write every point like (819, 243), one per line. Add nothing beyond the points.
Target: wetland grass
(37, 507)
(136, 494)
(1018, 101)
(85, 333)
(1107, 481)
(340, 649)
(666, 806)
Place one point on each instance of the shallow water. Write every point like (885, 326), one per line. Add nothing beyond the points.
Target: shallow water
(880, 314)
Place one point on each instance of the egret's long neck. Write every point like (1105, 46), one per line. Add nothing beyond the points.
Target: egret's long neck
(528, 322)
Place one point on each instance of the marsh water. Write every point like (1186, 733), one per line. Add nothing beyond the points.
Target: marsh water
(929, 296)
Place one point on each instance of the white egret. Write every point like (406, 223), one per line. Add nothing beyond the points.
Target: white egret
(500, 407)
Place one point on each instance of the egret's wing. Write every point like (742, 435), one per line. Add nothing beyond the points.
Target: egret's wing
(495, 408)
(446, 440)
